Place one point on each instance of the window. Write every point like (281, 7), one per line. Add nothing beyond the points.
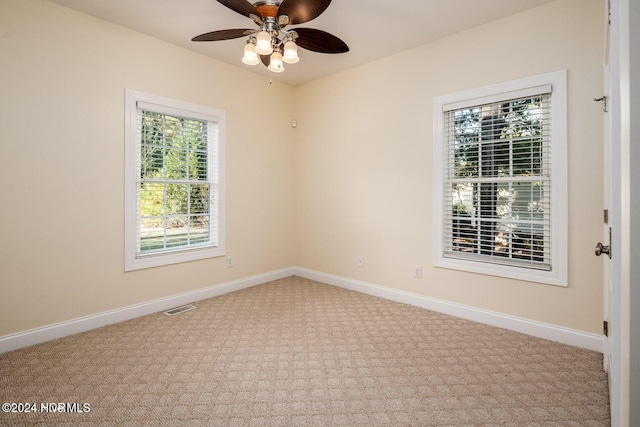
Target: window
(500, 165)
(173, 181)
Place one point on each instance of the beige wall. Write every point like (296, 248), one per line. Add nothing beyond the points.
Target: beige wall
(62, 84)
(353, 178)
(364, 155)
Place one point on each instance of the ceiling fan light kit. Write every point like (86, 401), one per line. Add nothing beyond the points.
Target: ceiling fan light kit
(250, 55)
(264, 43)
(271, 44)
(276, 64)
(290, 52)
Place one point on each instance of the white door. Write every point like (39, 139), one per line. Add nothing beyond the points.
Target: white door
(618, 143)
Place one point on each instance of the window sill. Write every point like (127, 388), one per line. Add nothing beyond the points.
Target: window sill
(134, 262)
(556, 278)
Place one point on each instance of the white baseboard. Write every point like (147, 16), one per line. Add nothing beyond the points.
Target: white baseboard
(538, 329)
(547, 331)
(82, 324)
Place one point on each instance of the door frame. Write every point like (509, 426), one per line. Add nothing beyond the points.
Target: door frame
(607, 175)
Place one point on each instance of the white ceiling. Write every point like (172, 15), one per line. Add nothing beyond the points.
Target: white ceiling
(372, 28)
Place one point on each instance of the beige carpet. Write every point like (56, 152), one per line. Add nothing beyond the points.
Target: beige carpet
(300, 353)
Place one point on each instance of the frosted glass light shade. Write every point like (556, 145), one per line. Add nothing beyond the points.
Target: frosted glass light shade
(290, 53)
(276, 64)
(250, 56)
(263, 43)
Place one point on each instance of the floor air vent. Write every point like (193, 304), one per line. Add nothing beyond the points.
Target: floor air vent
(179, 310)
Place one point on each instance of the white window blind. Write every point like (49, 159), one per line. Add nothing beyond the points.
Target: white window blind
(500, 179)
(177, 191)
(174, 181)
(497, 178)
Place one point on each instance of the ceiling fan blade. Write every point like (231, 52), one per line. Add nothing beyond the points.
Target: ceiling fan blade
(243, 7)
(301, 11)
(223, 35)
(319, 41)
(266, 60)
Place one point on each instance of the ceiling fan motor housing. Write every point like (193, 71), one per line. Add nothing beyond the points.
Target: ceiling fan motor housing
(267, 8)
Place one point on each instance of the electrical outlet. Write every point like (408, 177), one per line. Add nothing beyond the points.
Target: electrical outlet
(360, 261)
(229, 262)
(417, 271)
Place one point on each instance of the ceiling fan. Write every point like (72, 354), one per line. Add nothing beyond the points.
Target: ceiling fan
(271, 44)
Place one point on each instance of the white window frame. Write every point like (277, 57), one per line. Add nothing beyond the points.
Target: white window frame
(559, 211)
(134, 260)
